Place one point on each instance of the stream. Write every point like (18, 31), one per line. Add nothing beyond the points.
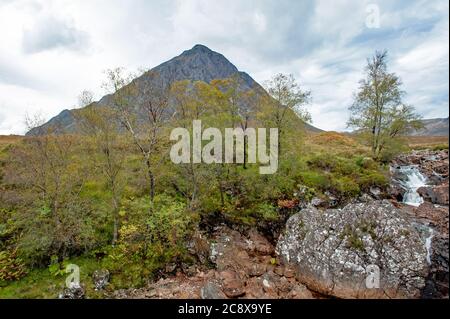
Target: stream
(411, 179)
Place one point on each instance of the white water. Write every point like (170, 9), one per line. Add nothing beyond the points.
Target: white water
(412, 181)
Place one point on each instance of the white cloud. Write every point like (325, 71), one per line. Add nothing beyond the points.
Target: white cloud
(52, 33)
(53, 49)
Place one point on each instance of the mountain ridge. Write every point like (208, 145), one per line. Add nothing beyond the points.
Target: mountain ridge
(433, 127)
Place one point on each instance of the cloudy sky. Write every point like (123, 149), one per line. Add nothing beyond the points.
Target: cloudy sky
(51, 50)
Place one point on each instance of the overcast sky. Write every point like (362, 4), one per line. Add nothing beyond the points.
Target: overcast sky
(50, 50)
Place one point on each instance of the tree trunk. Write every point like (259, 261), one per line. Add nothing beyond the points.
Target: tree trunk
(245, 152)
(116, 222)
(151, 177)
(115, 230)
(194, 184)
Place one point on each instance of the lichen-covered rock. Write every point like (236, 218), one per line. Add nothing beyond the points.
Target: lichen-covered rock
(74, 291)
(340, 252)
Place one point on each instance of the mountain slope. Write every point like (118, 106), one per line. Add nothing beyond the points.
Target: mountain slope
(433, 127)
(197, 64)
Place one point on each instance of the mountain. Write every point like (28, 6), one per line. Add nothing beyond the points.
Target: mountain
(433, 127)
(197, 64)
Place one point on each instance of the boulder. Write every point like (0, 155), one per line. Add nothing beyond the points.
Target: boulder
(365, 250)
(232, 284)
(436, 216)
(300, 292)
(436, 195)
(211, 290)
(438, 278)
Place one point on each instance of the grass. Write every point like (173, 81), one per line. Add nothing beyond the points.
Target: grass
(41, 284)
(334, 143)
(6, 141)
(427, 142)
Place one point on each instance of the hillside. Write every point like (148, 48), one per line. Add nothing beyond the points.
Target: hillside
(433, 127)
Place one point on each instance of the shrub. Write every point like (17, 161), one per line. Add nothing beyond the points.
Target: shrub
(73, 231)
(323, 161)
(440, 147)
(146, 245)
(315, 180)
(335, 164)
(11, 267)
(345, 187)
(366, 163)
(267, 211)
(372, 179)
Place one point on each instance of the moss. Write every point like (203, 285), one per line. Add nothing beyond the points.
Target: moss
(369, 228)
(352, 238)
(405, 232)
(356, 242)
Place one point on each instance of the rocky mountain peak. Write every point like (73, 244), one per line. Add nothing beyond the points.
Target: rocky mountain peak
(197, 64)
(199, 48)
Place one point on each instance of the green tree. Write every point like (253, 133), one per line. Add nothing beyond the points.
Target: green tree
(378, 111)
(46, 176)
(192, 100)
(100, 125)
(238, 104)
(286, 100)
(142, 111)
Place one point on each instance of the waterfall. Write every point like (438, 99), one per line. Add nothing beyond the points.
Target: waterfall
(411, 180)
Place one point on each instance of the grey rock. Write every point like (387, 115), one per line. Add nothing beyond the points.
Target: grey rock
(72, 292)
(100, 278)
(365, 198)
(332, 200)
(211, 290)
(375, 192)
(318, 202)
(335, 251)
